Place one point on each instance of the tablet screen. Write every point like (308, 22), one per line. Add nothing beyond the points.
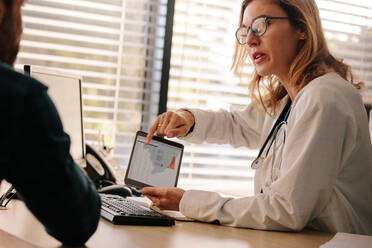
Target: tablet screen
(156, 164)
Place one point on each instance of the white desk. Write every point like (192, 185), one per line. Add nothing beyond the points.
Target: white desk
(18, 221)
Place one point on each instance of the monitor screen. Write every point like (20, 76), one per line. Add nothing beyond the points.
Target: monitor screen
(65, 91)
(156, 164)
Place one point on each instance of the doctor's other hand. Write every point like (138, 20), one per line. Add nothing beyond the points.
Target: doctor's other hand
(164, 198)
(172, 124)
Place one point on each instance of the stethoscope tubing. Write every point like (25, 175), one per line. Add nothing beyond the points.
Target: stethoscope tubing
(283, 117)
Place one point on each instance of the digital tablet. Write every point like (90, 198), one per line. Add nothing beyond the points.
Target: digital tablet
(156, 164)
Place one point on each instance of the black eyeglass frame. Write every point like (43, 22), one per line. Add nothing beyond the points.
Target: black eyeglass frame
(266, 18)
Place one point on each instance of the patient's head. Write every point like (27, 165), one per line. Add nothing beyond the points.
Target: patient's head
(10, 30)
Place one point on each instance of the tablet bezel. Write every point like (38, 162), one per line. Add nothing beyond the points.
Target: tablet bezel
(138, 184)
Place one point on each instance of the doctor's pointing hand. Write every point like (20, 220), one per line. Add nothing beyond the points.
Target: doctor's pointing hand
(172, 124)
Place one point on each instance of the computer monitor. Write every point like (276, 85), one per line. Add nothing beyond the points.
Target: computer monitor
(65, 91)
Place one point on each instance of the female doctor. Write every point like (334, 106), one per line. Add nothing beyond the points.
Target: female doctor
(314, 168)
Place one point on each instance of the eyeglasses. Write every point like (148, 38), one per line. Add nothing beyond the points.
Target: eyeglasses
(258, 26)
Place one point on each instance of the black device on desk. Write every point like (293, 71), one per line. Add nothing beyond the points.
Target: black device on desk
(121, 211)
(117, 189)
(156, 164)
(103, 171)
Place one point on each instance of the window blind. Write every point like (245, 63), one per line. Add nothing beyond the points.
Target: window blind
(116, 45)
(202, 49)
(348, 29)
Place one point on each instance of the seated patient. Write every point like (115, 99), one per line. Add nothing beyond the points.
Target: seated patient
(34, 150)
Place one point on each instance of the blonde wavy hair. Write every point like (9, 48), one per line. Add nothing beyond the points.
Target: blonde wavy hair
(313, 58)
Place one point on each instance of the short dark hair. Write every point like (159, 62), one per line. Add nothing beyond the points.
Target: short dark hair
(8, 2)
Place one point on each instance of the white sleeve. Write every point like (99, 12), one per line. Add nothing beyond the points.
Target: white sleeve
(316, 137)
(237, 128)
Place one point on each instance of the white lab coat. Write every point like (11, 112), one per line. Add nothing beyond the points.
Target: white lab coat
(321, 177)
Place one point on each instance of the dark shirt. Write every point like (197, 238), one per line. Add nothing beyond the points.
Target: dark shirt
(35, 158)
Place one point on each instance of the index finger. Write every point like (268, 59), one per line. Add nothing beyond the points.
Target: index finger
(152, 131)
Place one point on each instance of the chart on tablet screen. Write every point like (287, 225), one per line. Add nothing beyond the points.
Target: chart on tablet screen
(155, 163)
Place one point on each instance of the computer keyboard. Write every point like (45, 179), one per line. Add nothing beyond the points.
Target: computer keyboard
(121, 211)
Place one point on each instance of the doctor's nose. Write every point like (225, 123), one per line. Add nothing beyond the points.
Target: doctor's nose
(252, 40)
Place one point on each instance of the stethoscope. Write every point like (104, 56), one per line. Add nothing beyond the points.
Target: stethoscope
(282, 120)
